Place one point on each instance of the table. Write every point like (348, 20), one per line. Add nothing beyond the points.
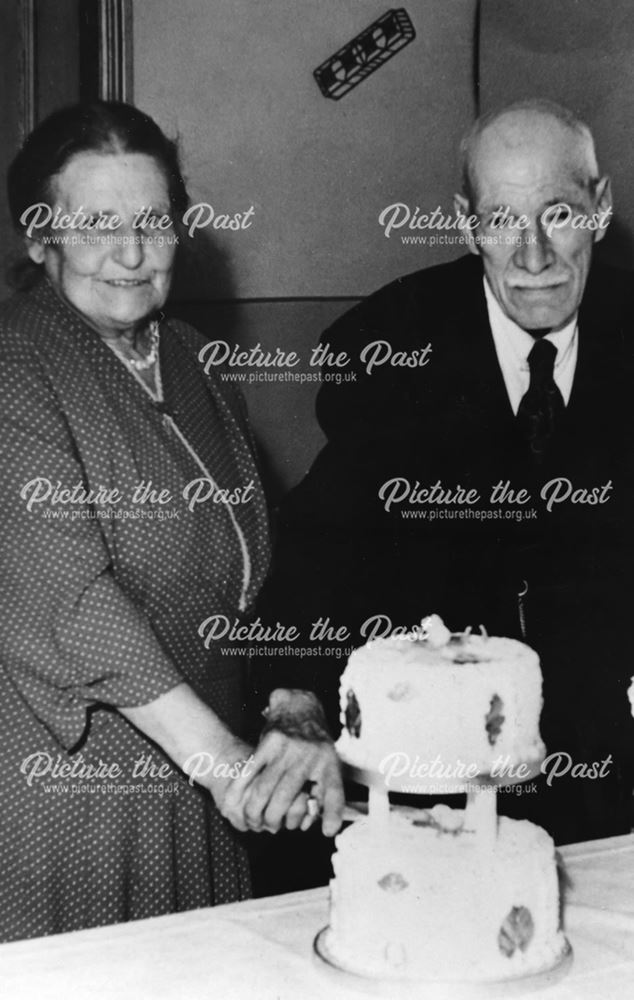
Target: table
(262, 949)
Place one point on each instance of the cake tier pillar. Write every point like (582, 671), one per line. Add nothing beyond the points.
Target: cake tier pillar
(481, 814)
(378, 804)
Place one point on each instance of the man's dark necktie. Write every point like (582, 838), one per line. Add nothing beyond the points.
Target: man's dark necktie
(542, 405)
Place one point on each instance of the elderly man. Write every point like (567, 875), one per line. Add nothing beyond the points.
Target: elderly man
(484, 471)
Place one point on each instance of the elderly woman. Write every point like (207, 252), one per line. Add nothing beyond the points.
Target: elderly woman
(132, 512)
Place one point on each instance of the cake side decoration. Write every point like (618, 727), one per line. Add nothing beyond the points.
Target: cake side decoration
(393, 882)
(352, 715)
(494, 719)
(516, 931)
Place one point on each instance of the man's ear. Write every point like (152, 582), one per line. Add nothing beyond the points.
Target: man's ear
(35, 250)
(603, 207)
(462, 207)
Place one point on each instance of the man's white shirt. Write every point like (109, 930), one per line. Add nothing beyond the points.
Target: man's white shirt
(513, 345)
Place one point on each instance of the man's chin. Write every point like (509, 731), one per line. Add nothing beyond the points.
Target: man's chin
(542, 310)
(541, 319)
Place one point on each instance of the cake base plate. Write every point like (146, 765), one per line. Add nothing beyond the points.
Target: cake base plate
(449, 989)
(429, 786)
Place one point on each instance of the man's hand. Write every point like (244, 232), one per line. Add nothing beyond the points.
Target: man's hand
(295, 752)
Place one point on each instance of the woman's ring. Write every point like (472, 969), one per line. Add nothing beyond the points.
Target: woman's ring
(312, 806)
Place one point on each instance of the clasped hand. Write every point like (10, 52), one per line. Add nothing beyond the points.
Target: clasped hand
(293, 774)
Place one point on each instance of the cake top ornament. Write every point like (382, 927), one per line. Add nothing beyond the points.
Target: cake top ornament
(433, 631)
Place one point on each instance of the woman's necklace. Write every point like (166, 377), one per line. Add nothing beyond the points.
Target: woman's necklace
(142, 364)
(145, 369)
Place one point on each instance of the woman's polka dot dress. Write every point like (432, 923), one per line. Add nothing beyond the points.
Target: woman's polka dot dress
(108, 571)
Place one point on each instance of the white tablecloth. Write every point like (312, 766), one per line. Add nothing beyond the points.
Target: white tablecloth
(263, 949)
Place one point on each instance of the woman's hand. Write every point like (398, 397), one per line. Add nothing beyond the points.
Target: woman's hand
(261, 789)
(220, 772)
(197, 741)
(295, 752)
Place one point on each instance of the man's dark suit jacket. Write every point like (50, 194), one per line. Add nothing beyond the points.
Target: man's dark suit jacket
(341, 555)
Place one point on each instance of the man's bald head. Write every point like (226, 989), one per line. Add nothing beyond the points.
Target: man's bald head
(521, 127)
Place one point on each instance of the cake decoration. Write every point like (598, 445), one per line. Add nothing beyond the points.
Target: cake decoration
(494, 719)
(393, 882)
(516, 931)
(400, 692)
(464, 656)
(441, 818)
(434, 632)
(353, 715)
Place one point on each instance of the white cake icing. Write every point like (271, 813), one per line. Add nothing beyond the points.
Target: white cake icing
(435, 902)
(465, 701)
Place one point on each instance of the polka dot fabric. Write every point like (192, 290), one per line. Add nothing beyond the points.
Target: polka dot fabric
(103, 597)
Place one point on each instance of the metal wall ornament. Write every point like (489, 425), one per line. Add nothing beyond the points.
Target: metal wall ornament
(362, 56)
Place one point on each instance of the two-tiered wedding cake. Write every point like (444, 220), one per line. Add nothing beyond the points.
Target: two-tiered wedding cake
(428, 894)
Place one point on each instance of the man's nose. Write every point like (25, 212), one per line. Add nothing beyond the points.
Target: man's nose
(534, 252)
